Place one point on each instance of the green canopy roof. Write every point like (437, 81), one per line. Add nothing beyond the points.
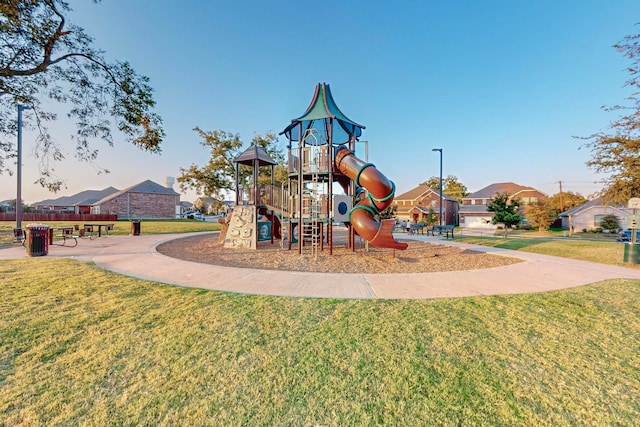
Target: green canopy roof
(321, 114)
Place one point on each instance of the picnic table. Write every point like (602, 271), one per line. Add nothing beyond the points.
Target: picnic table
(66, 233)
(90, 229)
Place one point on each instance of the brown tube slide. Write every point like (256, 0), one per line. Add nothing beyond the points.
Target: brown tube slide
(381, 190)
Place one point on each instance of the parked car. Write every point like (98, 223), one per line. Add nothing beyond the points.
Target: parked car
(625, 236)
(196, 215)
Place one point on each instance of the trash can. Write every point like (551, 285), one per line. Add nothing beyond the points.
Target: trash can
(135, 228)
(37, 242)
(631, 253)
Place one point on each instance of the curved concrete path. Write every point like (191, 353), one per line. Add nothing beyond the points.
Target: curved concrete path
(137, 257)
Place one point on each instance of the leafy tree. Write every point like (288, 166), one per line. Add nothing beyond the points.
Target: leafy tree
(569, 201)
(431, 217)
(199, 205)
(45, 59)
(505, 211)
(617, 152)
(388, 213)
(610, 222)
(450, 186)
(218, 174)
(539, 215)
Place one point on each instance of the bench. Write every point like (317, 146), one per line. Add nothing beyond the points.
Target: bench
(399, 228)
(417, 229)
(447, 230)
(19, 235)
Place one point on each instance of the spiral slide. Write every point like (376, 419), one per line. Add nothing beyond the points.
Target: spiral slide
(381, 191)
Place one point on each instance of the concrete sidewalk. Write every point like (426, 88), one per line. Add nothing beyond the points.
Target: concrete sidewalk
(137, 256)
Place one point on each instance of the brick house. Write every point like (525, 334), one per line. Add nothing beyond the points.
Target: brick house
(416, 204)
(79, 203)
(473, 212)
(146, 200)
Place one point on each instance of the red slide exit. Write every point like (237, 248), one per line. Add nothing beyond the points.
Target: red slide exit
(381, 192)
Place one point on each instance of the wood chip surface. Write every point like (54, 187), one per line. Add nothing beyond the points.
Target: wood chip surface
(419, 257)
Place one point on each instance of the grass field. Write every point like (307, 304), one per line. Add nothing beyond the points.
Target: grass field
(602, 251)
(90, 347)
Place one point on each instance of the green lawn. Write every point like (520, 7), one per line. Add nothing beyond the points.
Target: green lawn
(104, 349)
(602, 251)
(88, 347)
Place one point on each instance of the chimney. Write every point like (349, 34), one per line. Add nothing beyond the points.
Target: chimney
(169, 181)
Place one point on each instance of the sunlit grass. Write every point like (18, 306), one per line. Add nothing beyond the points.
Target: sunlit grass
(604, 252)
(85, 346)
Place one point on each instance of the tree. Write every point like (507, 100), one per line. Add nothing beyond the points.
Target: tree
(505, 211)
(539, 215)
(450, 187)
(610, 222)
(389, 213)
(218, 174)
(45, 59)
(617, 152)
(559, 203)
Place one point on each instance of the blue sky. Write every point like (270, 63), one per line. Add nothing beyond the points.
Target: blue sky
(502, 86)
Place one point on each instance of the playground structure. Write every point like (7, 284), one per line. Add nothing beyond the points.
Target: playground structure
(321, 147)
(321, 152)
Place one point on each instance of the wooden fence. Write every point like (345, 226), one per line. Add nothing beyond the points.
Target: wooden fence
(42, 217)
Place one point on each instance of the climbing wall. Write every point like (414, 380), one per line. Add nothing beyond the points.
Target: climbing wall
(241, 232)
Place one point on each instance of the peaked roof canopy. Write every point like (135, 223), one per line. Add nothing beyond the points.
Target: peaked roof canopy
(320, 113)
(255, 152)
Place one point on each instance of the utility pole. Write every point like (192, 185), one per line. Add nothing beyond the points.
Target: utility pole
(19, 171)
(561, 201)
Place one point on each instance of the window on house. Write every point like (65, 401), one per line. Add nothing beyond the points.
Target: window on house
(433, 204)
(473, 201)
(597, 220)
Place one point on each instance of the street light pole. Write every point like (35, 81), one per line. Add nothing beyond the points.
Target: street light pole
(440, 150)
(19, 171)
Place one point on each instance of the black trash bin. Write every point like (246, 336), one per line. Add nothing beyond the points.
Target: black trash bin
(135, 228)
(37, 240)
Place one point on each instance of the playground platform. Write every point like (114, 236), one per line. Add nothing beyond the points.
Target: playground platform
(136, 256)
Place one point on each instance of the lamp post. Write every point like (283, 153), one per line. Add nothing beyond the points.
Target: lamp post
(19, 171)
(440, 150)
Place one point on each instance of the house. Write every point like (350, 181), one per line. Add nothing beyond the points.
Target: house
(587, 217)
(145, 200)
(210, 205)
(79, 203)
(473, 212)
(184, 208)
(417, 203)
(8, 206)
